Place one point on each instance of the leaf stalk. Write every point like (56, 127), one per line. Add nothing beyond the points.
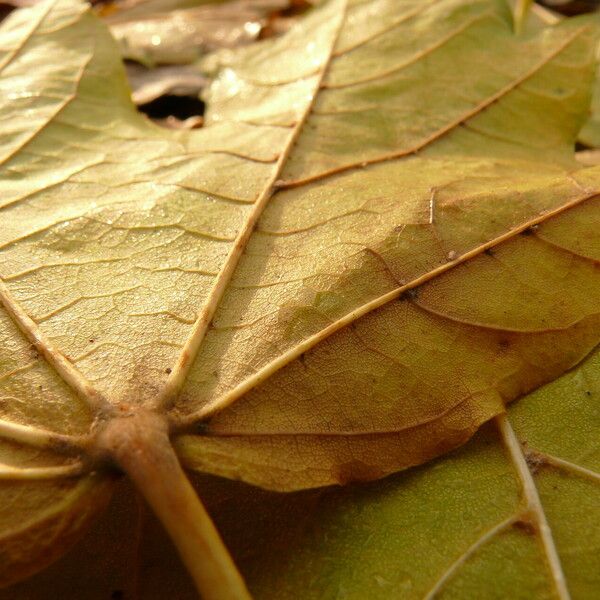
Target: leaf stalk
(139, 443)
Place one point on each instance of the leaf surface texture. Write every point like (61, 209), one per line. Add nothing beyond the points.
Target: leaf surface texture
(365, 254)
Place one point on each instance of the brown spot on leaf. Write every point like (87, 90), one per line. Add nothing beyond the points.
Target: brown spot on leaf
(530, 230)
(504, 344)
(411, 294)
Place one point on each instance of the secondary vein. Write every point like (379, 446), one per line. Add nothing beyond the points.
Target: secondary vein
(8, 472)
(467, 554)
(37, 437)
(60, 363)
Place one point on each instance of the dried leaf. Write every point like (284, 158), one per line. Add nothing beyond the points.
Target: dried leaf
(180, 32)
(149, 84)
(380, 238)
(457, 523)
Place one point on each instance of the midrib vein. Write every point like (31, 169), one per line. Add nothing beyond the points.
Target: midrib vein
(533, 505)
(192, 345)
(310, 342)
(58, 361)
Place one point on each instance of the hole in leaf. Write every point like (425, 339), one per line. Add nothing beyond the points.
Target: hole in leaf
(180, 107)
(579, 147)
(5, 10)
(571, 8)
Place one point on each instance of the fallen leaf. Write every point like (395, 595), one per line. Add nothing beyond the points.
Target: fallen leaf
(149, 84)
(456, 524)
(180, 32)
(464, 526)
(589, 157)
(364, 255)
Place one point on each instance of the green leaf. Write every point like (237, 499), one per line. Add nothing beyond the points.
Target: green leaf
(460, 525)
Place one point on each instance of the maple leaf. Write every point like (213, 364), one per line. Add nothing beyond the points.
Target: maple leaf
(327, 283)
